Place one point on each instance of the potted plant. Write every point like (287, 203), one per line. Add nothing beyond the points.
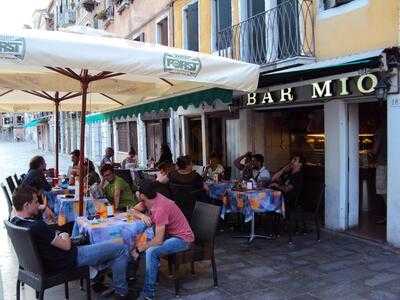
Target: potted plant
(89, 5)
(102, 15)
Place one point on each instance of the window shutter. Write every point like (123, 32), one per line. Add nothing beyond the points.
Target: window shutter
(123, 140)
(192, 27)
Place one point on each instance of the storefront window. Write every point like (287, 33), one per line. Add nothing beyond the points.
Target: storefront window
(195, 141)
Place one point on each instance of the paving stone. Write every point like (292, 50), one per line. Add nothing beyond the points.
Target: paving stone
(381, 278)
(337, 265)
(383, 266)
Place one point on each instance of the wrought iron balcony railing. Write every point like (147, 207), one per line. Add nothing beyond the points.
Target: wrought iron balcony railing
(283, 32)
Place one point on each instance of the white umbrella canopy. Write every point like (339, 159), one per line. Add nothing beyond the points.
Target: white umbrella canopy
(73, 61)
(39, 101)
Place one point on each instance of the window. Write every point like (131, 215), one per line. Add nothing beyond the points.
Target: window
(20, 120)
(139, 38)
(334, 3)
(195, 141)
(162, 32)
(133, 138)
(123, 139)
(191, 26)
(223, 20)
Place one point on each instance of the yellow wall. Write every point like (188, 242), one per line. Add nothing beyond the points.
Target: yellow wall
(371, 27)
(205, 24)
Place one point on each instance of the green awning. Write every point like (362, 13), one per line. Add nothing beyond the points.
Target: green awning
(195, 99)
(36, 122)
(324, 68)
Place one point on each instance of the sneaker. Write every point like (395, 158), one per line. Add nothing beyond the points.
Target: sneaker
(93, 272)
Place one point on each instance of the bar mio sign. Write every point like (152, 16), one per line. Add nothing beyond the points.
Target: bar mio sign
(343, 87)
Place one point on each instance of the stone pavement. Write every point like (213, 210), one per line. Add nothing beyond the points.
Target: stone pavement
(337, 267)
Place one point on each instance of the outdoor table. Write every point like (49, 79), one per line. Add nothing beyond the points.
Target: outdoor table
(250, 202)
(116, 229)
(217, 190)
(67, 209)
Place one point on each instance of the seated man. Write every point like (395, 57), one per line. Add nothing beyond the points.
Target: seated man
(117, 190)
(245, 168)
(172, 232)
(260, 173)
(36, 175)
(289, 180)
(56, 250)
(73, 170)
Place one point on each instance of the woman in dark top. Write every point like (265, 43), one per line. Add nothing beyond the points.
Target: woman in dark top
(166, 155)
(162, 181)
(185, 175)
(36, 175)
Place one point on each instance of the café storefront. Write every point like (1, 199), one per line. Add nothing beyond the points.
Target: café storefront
(330, 120)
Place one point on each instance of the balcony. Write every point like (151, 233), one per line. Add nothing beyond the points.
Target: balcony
(109, 15)
(274, 38)
(67, 18)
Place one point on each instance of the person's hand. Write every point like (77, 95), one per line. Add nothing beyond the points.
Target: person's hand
(274, 185)
(146, 220)
(64, 235)
(142, 247)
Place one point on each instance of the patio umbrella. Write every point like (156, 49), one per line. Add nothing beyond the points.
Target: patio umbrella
(37, 60)
(41, 101)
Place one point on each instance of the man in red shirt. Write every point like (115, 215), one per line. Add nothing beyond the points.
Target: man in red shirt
(172, 232)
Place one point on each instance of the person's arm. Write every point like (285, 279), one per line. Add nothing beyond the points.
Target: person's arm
(238, 162)
(117, 195)
(44, 184)
(62, 241)
(156, 241)
(138, 212)
(278, 174)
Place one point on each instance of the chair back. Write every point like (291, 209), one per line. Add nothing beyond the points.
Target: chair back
(185, 197)
(8, 198)
(17, 181)
(23, 177)
(25, 248)
(228, 173)
(204, 221)
(11, 184)
(125, 174)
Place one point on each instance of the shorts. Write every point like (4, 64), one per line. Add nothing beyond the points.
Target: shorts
(381, 179)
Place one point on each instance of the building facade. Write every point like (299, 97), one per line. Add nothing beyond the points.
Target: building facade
(328, 82)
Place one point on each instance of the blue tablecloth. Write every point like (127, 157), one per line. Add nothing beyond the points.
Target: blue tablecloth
(69, 207)
(247, 202)
(114, 229)
(217, 190)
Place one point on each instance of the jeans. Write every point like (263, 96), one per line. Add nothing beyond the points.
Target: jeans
(169, 246)
(114, 255)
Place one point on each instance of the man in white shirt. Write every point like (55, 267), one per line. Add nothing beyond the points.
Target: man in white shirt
(260, 173)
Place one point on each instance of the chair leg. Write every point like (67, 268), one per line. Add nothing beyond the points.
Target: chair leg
(81, 283)
(66, 291)
(41, 294)
(317, 227)
(192, 268)
(170, 266)
(214, 269)
(23, 284)
(18, 289)
(37, 294)
(88, 290)
(176, 270)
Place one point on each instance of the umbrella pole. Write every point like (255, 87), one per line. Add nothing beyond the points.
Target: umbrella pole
(57, 140)
(84, 85)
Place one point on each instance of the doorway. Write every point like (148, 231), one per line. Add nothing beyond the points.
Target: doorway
(372, 172)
